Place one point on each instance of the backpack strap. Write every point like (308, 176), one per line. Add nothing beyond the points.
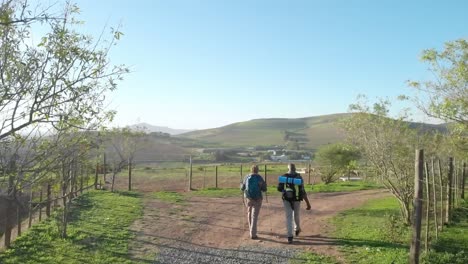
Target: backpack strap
(291, 185)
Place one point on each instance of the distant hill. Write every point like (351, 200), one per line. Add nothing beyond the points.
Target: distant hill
(308, 132)
(150, 128)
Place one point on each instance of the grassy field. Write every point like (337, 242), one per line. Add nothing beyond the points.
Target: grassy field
(178, 197)
(203, 176)
(97, 233)
(374, 234)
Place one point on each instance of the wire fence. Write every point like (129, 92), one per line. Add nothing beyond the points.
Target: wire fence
(24, 202)
(439, 192)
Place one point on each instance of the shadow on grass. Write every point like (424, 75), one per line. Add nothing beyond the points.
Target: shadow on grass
(133, 194)
(371, 212)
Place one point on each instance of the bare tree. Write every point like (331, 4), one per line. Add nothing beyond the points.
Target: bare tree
(125, 144)
(388, 145)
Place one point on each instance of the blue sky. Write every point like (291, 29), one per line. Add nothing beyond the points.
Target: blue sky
(202, 64)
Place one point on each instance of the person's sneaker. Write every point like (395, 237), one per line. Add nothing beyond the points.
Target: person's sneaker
(298, 232)
(290, 240)
(254, 237)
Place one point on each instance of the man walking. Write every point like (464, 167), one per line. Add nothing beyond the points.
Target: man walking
(291, 185)
(253, 185)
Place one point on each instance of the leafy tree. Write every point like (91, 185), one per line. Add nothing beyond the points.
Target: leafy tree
(388, 145)
(62, 79)
(55, 85)
(446, 97)
(335, 159)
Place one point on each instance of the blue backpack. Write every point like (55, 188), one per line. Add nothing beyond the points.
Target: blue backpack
(252, 187)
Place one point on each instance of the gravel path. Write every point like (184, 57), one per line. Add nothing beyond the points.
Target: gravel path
(186, 253)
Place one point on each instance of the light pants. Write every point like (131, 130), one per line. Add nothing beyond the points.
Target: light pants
(253, 209)
(292, 215)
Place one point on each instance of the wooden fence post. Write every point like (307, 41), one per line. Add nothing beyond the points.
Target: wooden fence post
(417, 205)
(204, 177)
(9, 205)
(18, 215)
(81, 179)
(129, 174)
(441, 185)
(428, 207)
(31, 208)
(455, 185)
(241, 174)
(40, 205)
(434, 199)
(105, 168)
(266, 175)
(463, 181)
(18, 220)
(190, 175)
(308, 171)
(216, 177)
(449, 192)
(49, 199)
(96, 173)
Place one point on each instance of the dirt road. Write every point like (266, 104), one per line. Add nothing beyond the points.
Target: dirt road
(220, 223)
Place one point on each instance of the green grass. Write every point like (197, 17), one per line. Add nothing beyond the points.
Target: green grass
(312, 258)
(97, 233)
(452, 246)
(373, 233)
(342, 186)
